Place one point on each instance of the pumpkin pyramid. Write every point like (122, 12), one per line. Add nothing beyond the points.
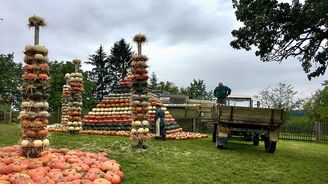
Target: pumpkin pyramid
(113, 113)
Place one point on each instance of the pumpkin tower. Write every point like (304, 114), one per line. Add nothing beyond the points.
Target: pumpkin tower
(34, 90)
(75, 81)
(139, 96)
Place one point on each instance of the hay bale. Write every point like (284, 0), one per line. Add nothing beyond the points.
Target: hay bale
(139, 38)
(76, 61)
(36, 21)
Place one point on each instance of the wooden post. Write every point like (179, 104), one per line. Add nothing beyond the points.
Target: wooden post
(36, 35)
(139, 48)
(193, 124)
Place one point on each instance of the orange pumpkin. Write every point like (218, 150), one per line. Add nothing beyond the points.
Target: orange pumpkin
(43, 76)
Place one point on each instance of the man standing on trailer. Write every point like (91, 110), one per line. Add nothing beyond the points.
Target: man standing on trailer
(221, 92)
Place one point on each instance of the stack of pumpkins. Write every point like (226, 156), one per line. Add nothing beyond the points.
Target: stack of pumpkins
(65, 100)
(123, 86)
(35, 93)
(75, 81)
(113, 113)
(139, 97)
(170, 121)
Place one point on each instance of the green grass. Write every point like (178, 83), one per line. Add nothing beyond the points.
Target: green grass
(199, 161)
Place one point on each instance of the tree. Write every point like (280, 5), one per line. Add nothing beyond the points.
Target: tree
(283, 30)
(317, 105)
(119, 62)
(10, 73)
(99, 74)
(197, 90)
(168, 87)
(281, 97)
(153, 81)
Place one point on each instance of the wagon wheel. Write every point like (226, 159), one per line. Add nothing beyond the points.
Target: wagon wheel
(270, 146)
(256, 140)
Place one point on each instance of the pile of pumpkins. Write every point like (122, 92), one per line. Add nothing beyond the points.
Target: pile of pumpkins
(123, 86)
(74, 123)
(35, 92)
(65, 100)
(170, 121)
(58, 166)
(113, 113)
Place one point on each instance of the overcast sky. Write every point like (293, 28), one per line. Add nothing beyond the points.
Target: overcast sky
(187, 39)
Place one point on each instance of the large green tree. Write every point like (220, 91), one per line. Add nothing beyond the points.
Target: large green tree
(153, 81)
(120, 59)
(282, 96)
(168, 87)
(10, 73)
(317, 105)
(99, 74)
(197, 90)
(282, 30)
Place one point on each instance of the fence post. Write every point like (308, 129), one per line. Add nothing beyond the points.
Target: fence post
(193, 124)
(317, 131)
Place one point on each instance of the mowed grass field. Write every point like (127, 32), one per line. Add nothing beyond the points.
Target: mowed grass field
(198, 160)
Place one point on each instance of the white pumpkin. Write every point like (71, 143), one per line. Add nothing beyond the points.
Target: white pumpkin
(145, 123)
(141, 130)
(25, 143)
(37, 143)
(46, 142)
(146, 130)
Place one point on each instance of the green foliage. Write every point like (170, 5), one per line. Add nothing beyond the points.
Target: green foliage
(10, 73)
(99, 74)
(168, 87)
(281, 97)
(283, 30)
(109, 70)
(120, 59)
(317, 105)
(197, 90)
(153, 81)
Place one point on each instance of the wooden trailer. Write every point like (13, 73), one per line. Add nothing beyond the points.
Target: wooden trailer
(258, 123)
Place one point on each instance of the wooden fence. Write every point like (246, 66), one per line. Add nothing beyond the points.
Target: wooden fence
(305, 132)
(5, 117)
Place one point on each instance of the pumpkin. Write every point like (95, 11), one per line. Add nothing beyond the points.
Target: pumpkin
(101, 181)
(37, 123)
(43, 76)
(37, 143)
(29, 76)
(42, 133)
(30, 133)
(25, 143)
(25, 123)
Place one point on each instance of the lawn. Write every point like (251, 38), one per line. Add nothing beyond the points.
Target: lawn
(199, 161)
